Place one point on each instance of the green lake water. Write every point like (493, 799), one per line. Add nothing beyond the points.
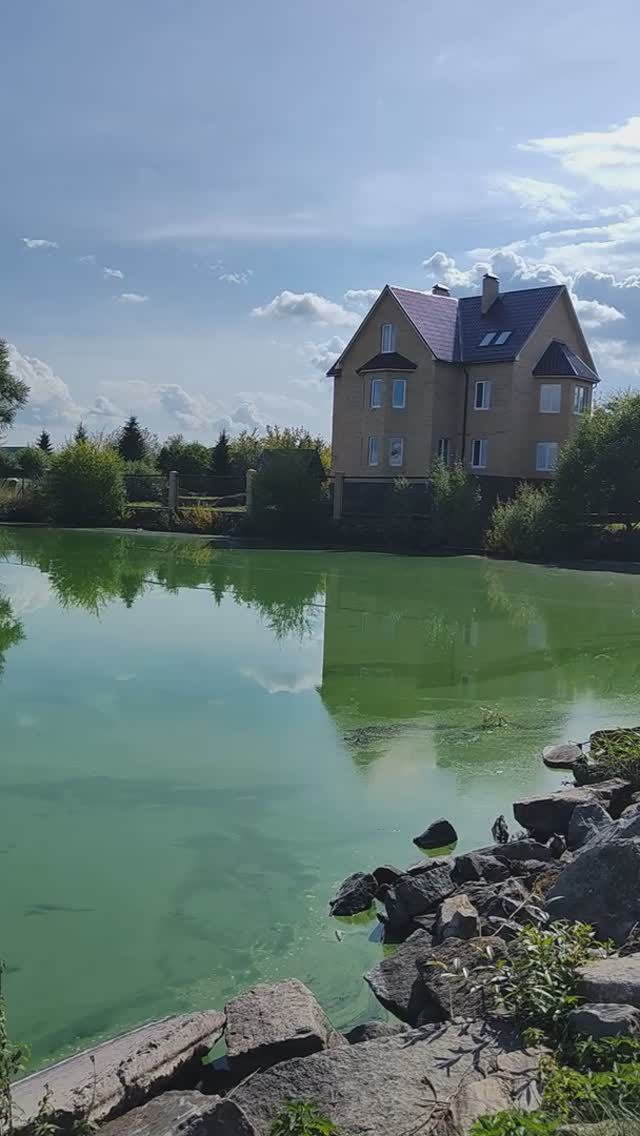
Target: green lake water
(197, 745)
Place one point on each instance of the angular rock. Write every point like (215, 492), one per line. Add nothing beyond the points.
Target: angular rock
(188, 1113)
(601, 887)
(446, 991)
(437, 1080)
(356, 894)
(604, 1019)
(525, 849)
(530, 870)
(500, 900)
(612, 980)
(395, 981)
(476, 866)
(550, 813)
(374, 1031)
(439, 834)
(614, 794)
(418, 895)
(458, 919)
(122, 1073)
(428, 864)
(561, 756)
(586, 820)
(632, 810)
(387, 874)
(275, 1022)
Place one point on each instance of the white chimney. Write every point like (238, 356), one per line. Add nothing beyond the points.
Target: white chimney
(440, 290)
(490, 290)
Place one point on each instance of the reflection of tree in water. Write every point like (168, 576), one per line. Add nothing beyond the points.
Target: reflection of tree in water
(10, 629)
(92, 570)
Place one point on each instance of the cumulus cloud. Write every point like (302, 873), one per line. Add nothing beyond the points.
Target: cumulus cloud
(50, 400)
(39, 243)
(103, 407)
(113, 273)
(609, 159)
(322, 355)
(132, 298)
(361, 298)
(514, 270)
(309, 306)
(542, 199)
(593, 314)
(190, 411)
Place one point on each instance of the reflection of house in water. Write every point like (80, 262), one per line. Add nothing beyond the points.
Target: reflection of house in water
(431, 638)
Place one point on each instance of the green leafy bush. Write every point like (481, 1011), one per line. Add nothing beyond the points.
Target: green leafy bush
(33, 462)
(521, 527)
(456, 498)
(302, 1118)
(617, 753)
(591, 1096)
(290, 495)
(538, 981)
(515, 1124)
(143, 481)
(86, 485)
(189, 458)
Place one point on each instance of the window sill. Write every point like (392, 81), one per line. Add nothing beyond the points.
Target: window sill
(550, 412)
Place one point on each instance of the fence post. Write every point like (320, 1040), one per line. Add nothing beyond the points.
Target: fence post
(251, 473)
(174, 489)
(338, 495)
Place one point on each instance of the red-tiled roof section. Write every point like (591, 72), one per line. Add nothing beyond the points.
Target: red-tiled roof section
(559, 361)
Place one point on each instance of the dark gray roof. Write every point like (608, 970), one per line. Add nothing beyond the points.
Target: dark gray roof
(454, 329)
(559, 361)
(388, 361)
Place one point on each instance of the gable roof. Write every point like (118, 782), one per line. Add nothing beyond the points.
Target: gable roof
(559, 361)
(453, 329)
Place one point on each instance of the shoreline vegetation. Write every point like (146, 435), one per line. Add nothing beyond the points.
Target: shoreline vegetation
(511, 977)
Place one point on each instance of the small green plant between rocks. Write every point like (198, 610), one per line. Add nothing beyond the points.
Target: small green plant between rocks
(302, 1118)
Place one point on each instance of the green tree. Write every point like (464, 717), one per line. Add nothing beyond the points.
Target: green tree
(131, 442)
(523, 526)
(456, 500)
(245, 451)
(86, 485)
(81, 434)
(13, 391)
(33, 462)
(599, 468)
(220, 456)
(185, 457)
(44, 443)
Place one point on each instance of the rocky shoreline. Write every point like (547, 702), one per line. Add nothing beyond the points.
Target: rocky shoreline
(451, 1055)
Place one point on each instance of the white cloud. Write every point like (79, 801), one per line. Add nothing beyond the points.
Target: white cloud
(132, 298)
(50, 400)
(190, 411)
(322, 355)
(39, 243)
(616, 358)
(361, 298)
(103, 407)
(90, 258)
(542, 199)
(310, 306)
(113, 273)
(514, 271)
(236, 277)
(609, 159)
(594, 314)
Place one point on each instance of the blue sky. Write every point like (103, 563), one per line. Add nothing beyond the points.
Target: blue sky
(199, 200)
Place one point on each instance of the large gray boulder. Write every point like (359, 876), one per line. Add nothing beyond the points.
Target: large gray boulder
(275, 1022)
(439, 834)
(374, 1031)
(437, 1080)
(447, 991)
(586, 820)
(601, 887)
(395, 981)
(551, 812)
(475, 866)
(612, 979)
(413, 895)
(519, 850)
(122, 1073)
(356, 894)
(561, 756)
(186, 1113)
(458, 919)
(604, 1019)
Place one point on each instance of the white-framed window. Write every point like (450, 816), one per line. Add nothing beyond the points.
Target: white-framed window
(487, 339)
(399, 394)
(546, 456)
(387, 338)
(482, 399)
(373, 451)
(376, 392)
(497, 338)
(580, 400)
(550, 398)
(502, 338)
(443, 449)
(396, 451)
(479, 450)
